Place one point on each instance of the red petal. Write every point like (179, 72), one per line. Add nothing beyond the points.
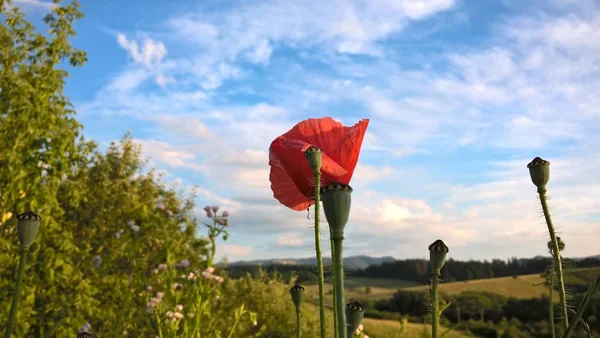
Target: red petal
(289, 156)
(291, 177)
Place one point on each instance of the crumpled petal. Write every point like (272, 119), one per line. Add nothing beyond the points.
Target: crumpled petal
(292, 179)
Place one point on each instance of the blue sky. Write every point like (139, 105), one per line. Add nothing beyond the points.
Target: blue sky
(461, 95)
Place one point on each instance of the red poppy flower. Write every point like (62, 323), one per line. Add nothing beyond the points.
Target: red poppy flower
(292, 178)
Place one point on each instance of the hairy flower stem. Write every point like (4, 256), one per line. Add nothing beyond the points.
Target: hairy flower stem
(339, 285)
(297, 323)
(551, 302)
(335, 308)
(15, 301)
(318, 251)
(557, 261)
(435, 318)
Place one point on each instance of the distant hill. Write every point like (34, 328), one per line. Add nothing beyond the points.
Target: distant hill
(350, 263)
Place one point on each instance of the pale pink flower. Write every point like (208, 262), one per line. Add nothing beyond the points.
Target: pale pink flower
(225, 214)
(178, 315)
(160, 295)
(206, 274)
(149, 288)
(160, 206)
(210, 269)
(154, 271)
(179, 307)
(162, 266)
(169, 314)
(219, 279)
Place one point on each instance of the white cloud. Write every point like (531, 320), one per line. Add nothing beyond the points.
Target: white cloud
(290, 240)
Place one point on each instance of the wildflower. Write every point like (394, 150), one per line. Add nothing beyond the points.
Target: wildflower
(191, 276)
(215, 208)
(210, 269)
(179, 307)
(130, 223)
(207, 274)
(118, 234)
(219, 279)
(169, 314)
(160, 295)
(85, 328)
(154, 271)
(149, 288)
(178, 315)
(97, 260)
(169, 212)
(184, 263)
(160, 206)
(135, 228)
(217, 297)
(162, 266)
(176, 286)
(254, 323)
(225, 214)
(291, 180)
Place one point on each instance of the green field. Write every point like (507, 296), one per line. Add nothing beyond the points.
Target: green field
(381, 328)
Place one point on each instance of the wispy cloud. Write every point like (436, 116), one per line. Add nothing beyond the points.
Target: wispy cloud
(453, 122)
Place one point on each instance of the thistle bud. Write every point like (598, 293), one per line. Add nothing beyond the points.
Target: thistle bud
(215, 208)
(354, 315)
(437, 255)
(28, 225)
(336, 199)
(225, 214)
(314, 156)
(539, 170)
(297, 293)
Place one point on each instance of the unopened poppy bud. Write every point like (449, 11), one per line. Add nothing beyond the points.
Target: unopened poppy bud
(539, 170)
(314, 156)
(354, 315)
(336, 199)
(561, 245)
(437, 255)
(297, 293)
(28, 225)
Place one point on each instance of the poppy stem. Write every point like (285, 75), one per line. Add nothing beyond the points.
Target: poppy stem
(335, 308)
(15, 301)
(318, 252)
(557, 261)
(435, 318)
(339, 286)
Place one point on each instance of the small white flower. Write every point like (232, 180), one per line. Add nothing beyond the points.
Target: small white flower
(135, 228)
(219, 279)
(179, 307)
(178, 315)
(162, 266)
(170, 314)
(210, 269)
(154, 271)
(149, 288)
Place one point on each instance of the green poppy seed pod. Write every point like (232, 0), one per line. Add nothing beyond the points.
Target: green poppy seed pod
(28, 225)
(336, 199)
(437, 255)
(314, 156)
(297, 293)
(354, 316)
(539, 170)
